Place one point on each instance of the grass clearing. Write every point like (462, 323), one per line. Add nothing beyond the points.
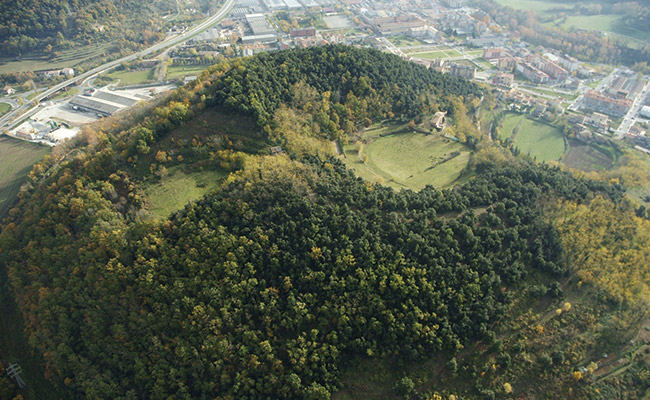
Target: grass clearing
(132, 77)
(542, 141)
(539, 140)
(16, 160)
(510, 123)
(4, 108)
(398, 157)
(181, 71)
(181, 187)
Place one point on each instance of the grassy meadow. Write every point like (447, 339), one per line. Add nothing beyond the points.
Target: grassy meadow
(180, 187)
(403, 159)
(541, 141)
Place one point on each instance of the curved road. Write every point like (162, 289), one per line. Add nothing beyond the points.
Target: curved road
(184, 37)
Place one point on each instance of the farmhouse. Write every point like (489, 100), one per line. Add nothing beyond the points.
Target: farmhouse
(8, 90)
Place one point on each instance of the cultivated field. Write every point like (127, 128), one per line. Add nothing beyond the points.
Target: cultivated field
(587, 157)
(400, 158)
(16, 160)
(180, 187)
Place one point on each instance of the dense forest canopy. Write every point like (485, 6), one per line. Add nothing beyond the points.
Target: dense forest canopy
(270, 286)
(31, 24)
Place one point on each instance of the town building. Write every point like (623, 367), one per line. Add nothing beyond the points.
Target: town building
(568, 62)
(531, 72)
(397, 25)
(495, 52)
(8, 90)
(464, 71)
(598, 102)
(503, 79)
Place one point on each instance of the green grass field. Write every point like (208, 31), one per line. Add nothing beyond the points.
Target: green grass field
(544, 142)
(132, 77)
(510, 122)
(4, 108)
(16, 160)
(605, 22)
(181, 71)
(404, 159)
(180, 187)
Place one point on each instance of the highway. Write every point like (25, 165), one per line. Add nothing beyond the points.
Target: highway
(6, 120)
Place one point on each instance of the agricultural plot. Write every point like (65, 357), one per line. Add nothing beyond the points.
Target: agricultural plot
(587, 157)
(16, 160)
(403, 159)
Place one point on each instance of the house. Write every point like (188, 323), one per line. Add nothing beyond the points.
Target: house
(576, 119)
(599, 121)
(67, 72)
(8, 90)
(438, 120)
(275, 150)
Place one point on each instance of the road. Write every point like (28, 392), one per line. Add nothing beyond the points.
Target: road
(6, 120)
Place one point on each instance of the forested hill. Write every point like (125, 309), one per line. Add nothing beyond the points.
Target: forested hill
(274, 284)
(384, 81)
(30, 24)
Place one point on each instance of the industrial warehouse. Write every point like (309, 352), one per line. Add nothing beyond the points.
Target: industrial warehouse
(102, 103)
